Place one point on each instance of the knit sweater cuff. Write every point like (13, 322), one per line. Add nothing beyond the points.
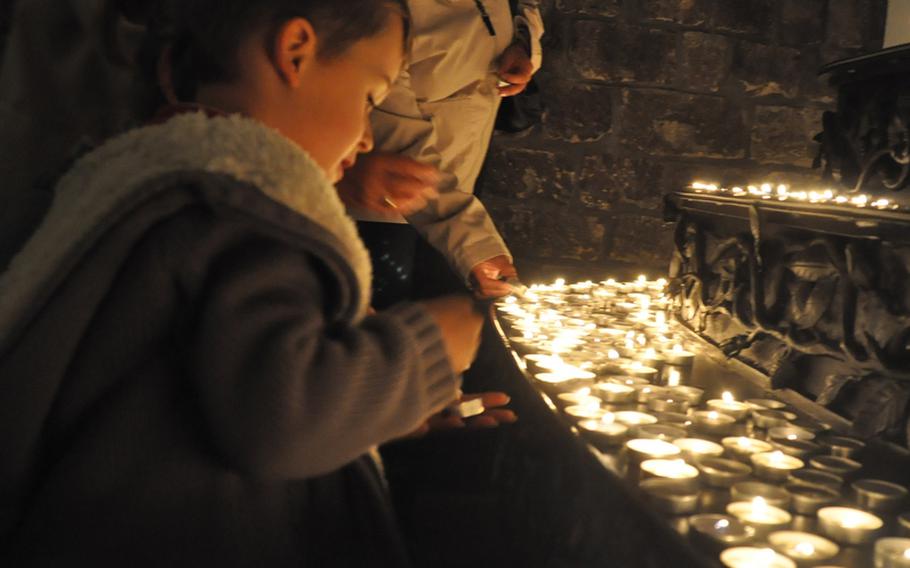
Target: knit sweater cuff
(441, 384)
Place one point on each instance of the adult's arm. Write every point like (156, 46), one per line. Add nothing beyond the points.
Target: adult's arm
(529, 27)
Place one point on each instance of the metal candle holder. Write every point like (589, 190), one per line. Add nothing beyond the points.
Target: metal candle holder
(849, 526)
(816, 477)
(879, 496)
(843, 467)
(841, 446)
(808, 499)
(749, 490)
(670, 497)
(720, 472)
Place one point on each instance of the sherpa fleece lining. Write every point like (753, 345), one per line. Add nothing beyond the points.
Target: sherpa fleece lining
(235, 146)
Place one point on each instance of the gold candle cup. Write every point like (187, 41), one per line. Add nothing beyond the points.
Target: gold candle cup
(603, 433)
(742, 447)
(849, 526)
(805, 548)
(670, 497)
(749, 490)
(667, 404)
(644, 393)
(814, 477)
(679, 357)
(627, 380)
(808, 499)
(720, 472)
(578, 398)
(659, 432)
(759, 515)
(842, 446)
(767, 419)
(844, 467)
(774, 466)
(879, 496)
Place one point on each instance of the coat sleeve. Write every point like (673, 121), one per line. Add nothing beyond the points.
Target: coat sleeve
(456, 223)
(529, 26)
(286, 392)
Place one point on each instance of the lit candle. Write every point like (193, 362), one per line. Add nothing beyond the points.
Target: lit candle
(729, 406)
(761, 516)
(673, 377)
(614, 393)
(580, 397)
(679, 356)
(720, 472)
(635, 418)
(667, 404)
(712, 422)
(585, 411)
(802, 546)
(675, 469)
(565, 374)
(849, 526)
(790, 433)
(713, 530)
(641, 449)
(879, 496)
(751, 557)
(833, 464)
(767, 418)
(638, 369)
(892, 553)
(775, 466)
(605, 431)
(695, 448)
(692, 394)
(749, 490)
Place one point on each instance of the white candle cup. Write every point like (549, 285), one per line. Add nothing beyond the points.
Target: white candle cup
(765, 404)
(659, 432)
(742, 447)
(614, 393)
(668, 404)
(759, 515)
(634, 418)
(842, 446)
(849, 526)
(603, 433)
(641, 449)
(774, 466)
(803, 547)
(692, 394)
(669, 497)
(720, 472)
(815, 477)
(719, 530)
(752, 557)
(844, 467)
(892, 553)
(675, 470)
(768, 419)
(734, 408)
(808, 499)
(695, 448)
(749, 490)
(712, 422)
(879, 496)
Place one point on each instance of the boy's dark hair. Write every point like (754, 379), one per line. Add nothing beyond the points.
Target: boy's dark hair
(203, 35)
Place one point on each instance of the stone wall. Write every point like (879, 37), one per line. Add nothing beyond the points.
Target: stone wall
(642, 97)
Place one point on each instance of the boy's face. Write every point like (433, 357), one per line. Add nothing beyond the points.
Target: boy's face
(330, 109)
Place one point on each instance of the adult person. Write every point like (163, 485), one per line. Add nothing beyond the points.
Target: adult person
(431, 135)
(188, 374)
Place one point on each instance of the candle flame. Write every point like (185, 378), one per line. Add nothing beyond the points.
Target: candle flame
(677, 348)
(805, 549)
(674, 378)
(713, 415)
(608, 418)
(613, 354)
(727, 397)
(759, 505)
(584, 392)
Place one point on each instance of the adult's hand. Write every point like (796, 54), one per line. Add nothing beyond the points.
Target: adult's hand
(388, 183)
(487, 277)
(515, 68)
(493, 416)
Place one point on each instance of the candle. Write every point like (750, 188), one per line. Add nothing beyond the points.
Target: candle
(634, 418)
(772, 418)
(605, 431)
(641, 449)
(673, 419)
(692, 394)
(774, 466)
(749, 490)
(674, 378)
(892, 553)
(719, 530)
(659, 432)
(790, 433)
(808, 499)
(614, 393)
(879, 496)
(842, 446)
(564, 375)
(644, 393)
(585, 411)
(848, 526)
(802, 546)
(836, 465)
(581, 397)
(712, 422)
(759, 515)
(815, 477)
(719, 472)
(679, 356)
(729, 406)
(667, 404)
(742, 448)
(638, 369)
(751, 557)
(669, 496)
(676, 469)
(696, 448)
(801, 449)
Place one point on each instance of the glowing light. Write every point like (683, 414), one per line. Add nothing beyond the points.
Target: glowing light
(727, 397)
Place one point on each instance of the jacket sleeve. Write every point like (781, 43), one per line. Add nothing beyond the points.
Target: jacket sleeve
(456, 223)
(286, 392)
(529, 27)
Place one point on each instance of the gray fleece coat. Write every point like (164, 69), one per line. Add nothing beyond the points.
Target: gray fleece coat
(187, 377)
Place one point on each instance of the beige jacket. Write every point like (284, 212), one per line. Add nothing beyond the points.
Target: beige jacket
(442, 111)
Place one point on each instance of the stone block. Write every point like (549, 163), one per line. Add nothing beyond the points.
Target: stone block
(783, 135)
(577, 112)
(666, 123)
(607, 51)
(846, 23)
(521, 174)
(802, 22)
(706, 60)
(604, 182)
(590, 7)
(687, 12)
(641, 240)
(749, 17)
(767, 70)
(549, 232)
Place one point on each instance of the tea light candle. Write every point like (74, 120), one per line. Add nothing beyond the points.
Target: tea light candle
(674, 378)
(742, 448)
(790, 433)
(719, 472)
(841, 446)
(774, 466)
(729, 406)
(674, 469)
(696, 448)
(628, 381)
(808, 499)
(581, 397)
(641, 449)
(666, 404)
(848, 526)
(802, 546)
(836, 465)
(692, 394)
(669, 496)
(659, 432)
(749, 490)
(759, 515)
(720, 530)
(815, 477)
(614, 393)
(644, 393)
(564, 375)
(892, 553)
(879, 496)
(673, 419)
(585, 412)
(638, 369)
(768, 419)
(679, 356)
(605, 431)
(712, 422)
(634, 418)
(751, 557)
(801, 449)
